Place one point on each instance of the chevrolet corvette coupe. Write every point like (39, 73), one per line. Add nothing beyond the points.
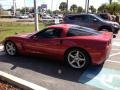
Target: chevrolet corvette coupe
(77, 46)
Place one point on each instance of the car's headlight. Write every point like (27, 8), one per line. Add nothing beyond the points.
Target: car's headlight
(116, 25)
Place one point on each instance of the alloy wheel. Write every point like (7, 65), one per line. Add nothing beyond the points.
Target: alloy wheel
(76, 59)
(10, 48)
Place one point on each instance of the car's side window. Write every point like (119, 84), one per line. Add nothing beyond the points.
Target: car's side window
(84, 18)
(76, 32)
(50, 33)
(76, 17)
(72, 17)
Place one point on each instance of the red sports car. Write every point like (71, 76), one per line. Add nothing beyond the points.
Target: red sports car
(78, 46)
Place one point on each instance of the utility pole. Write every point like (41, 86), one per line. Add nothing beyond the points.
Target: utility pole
(25, 6)
(36, 16)
(67, 8)
(110, 1)
(51, 5)
(88, 6)
(14, 7)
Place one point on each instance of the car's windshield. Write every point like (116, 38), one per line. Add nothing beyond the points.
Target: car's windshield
(98, 17)
(87, 30)
(75, 30)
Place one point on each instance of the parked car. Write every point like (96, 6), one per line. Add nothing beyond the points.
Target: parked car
(23, 17)
(59, 16)
(77, 46)
(92, 21)
(46, 17)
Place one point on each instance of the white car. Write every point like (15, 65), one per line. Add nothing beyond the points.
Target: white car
(23, 17)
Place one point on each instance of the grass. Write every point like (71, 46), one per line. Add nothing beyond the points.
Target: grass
(12, 28)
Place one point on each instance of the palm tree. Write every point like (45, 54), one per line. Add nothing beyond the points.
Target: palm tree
(73, 8)
(63, 6)
(79, 9)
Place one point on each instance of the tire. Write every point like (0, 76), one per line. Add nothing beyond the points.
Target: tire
(104, 29)
(108, 29)
(10, 48)
(77, 58)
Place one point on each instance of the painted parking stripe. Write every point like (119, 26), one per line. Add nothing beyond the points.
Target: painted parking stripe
(32, 86)
(114, 54)
(116, 43)
(118, 62)
(116, 49)
(103, 78)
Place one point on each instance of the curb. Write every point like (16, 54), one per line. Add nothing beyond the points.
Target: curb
(23, 84)
(18, 81)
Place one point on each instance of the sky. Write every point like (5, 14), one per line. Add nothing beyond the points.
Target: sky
(6, 4)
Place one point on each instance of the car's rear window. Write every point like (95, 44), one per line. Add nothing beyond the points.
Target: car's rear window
(81, 31)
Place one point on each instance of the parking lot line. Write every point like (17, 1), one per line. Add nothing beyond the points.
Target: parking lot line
(118, 62)
(116, 43)
(19, 81)
(105, 78)
(114, 54)
(116, 49)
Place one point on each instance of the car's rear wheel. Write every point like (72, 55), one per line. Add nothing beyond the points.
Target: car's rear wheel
(10, 48)
(108, 29)
(104, 29)
(77, 58)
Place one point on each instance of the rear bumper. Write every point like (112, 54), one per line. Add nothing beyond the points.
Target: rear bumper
(101, 55)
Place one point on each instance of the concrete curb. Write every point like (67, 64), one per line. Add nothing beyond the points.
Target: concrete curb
(23, 84)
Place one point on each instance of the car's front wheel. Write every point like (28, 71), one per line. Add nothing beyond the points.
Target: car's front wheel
(77, 58)
(10, 48)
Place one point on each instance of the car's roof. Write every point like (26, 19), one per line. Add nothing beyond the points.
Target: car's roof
(65, 26)
(80, 14)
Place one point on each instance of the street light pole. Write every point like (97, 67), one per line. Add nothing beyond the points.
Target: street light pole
(67, 8)
(25, 6)
(36, 16)
(14, 7)
(51, 5)
(87, 6)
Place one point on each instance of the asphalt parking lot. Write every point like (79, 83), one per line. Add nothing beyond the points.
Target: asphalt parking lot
(55, 75)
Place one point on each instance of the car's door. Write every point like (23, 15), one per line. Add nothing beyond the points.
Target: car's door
(46, 42)
(82, 20)
(94, 22)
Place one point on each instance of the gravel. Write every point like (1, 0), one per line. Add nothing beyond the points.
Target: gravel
(7, 86)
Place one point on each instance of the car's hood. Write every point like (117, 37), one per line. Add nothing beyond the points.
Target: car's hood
(24, 35)
(111, 22)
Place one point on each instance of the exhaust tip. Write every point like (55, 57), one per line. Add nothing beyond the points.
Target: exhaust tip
(114, 36)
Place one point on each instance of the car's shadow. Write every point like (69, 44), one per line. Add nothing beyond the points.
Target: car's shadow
(49, 67)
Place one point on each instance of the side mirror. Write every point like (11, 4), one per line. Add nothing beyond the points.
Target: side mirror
(34, 37)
